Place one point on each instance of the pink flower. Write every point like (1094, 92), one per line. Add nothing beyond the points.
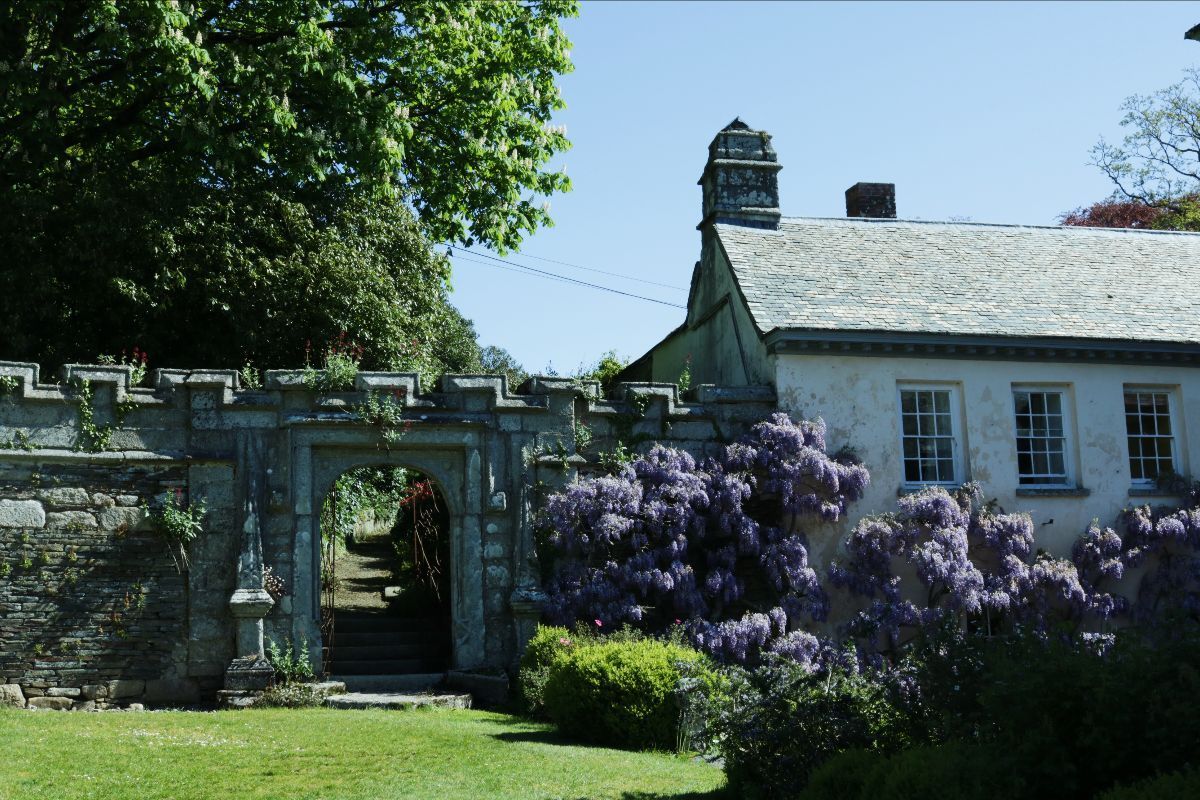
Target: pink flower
(599, 624)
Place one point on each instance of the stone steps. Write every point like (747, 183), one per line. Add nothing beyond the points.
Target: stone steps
(393, 684)
(398, 701)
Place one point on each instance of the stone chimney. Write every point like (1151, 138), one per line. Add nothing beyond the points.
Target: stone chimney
(877, 200)
(740, 180)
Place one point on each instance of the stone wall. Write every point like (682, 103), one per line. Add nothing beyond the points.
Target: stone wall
(91, 603)
(88, 595)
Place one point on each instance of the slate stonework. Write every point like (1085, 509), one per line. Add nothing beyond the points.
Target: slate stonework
(92, 605)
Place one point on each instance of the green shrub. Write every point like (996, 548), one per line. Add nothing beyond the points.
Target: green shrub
(964, 771)
(1173, 784)
(1075, 724)
(780, 721)
(843, 775)
(619, 692)
(545, 646)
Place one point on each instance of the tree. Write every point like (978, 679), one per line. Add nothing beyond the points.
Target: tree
(498, 361)
(1114, 213)
(218, 182)
(446, 104)
(1157, 164)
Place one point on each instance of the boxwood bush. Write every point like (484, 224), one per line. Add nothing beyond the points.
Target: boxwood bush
(621, 692)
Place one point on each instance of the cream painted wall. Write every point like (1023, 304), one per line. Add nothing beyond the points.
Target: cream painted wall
(858, 399)
(720, 336)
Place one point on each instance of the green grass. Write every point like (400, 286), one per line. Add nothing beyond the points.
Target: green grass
(327, 754)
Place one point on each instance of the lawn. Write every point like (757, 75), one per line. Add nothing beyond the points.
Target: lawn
(327, 754)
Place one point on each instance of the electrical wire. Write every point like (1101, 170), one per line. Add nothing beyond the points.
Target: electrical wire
(524, 269)
(578, 266)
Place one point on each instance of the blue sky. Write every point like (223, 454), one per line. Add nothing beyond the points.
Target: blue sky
(984, 111)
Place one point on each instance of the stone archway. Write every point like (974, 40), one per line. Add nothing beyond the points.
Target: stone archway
(448, 469)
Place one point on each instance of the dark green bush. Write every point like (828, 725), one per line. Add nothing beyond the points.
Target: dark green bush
(1172, 785)
(619, 692)
(1073, 723)
(780, 721)
(959, 770)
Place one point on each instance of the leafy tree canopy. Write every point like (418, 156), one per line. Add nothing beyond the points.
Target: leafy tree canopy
(222, 182)
(446, 104)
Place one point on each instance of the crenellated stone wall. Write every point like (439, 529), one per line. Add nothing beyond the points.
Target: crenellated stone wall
(92, 607)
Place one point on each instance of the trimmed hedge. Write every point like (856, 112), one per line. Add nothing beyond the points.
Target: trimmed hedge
(622, 693)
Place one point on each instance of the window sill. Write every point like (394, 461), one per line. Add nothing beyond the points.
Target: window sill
(1053, 491)
(906, 489)
(1150, 491)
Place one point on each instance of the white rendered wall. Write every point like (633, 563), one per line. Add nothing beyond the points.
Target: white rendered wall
(858, 399)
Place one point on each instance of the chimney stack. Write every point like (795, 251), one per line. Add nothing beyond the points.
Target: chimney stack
(876, 200)
(740, 181)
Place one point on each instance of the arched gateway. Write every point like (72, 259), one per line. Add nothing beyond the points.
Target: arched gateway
(79, 459)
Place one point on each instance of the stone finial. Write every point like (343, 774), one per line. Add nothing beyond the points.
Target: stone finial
(740, 181)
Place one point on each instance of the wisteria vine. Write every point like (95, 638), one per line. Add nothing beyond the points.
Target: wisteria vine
(719, 547)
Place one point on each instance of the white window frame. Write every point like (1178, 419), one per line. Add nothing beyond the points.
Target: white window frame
(1177, 460)
(1067, 411)
(957, 432)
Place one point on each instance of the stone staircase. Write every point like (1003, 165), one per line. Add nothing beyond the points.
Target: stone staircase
(383, 652)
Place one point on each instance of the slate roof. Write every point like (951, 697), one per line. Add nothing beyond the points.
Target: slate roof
(971, 279)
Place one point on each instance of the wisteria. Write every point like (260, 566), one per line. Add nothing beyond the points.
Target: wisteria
(668, 539)
(963, 558)
(720, 548)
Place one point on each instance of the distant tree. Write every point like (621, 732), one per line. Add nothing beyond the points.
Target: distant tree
(1157, 164)
(498, 361)
(1114, 213)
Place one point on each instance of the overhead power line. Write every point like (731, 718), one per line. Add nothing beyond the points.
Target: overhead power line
(621, 275)
(525, 269)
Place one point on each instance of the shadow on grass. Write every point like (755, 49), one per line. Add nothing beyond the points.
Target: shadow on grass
(715, 794)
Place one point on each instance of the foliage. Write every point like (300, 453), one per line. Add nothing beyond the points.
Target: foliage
(252, 170)
(292, 695)
(9, 384)
(685, 376)
(605, 370)
(495, 360)
(1184, 783)
(138, 362)
(178, 524)
(955, 769)
(1114, 214)
(339, 366)
(547, 644)
(251, 377)
(1157, 162)
(666, 539)
(290, 663)
(327, 96)
(386, 412)
(970, 561)
(259, 275)
(1073, 722)
(618, 692)
(783, 718)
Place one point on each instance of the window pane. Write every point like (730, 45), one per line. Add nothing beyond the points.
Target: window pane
(941, 402)
(908, 402)
(910, 424)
